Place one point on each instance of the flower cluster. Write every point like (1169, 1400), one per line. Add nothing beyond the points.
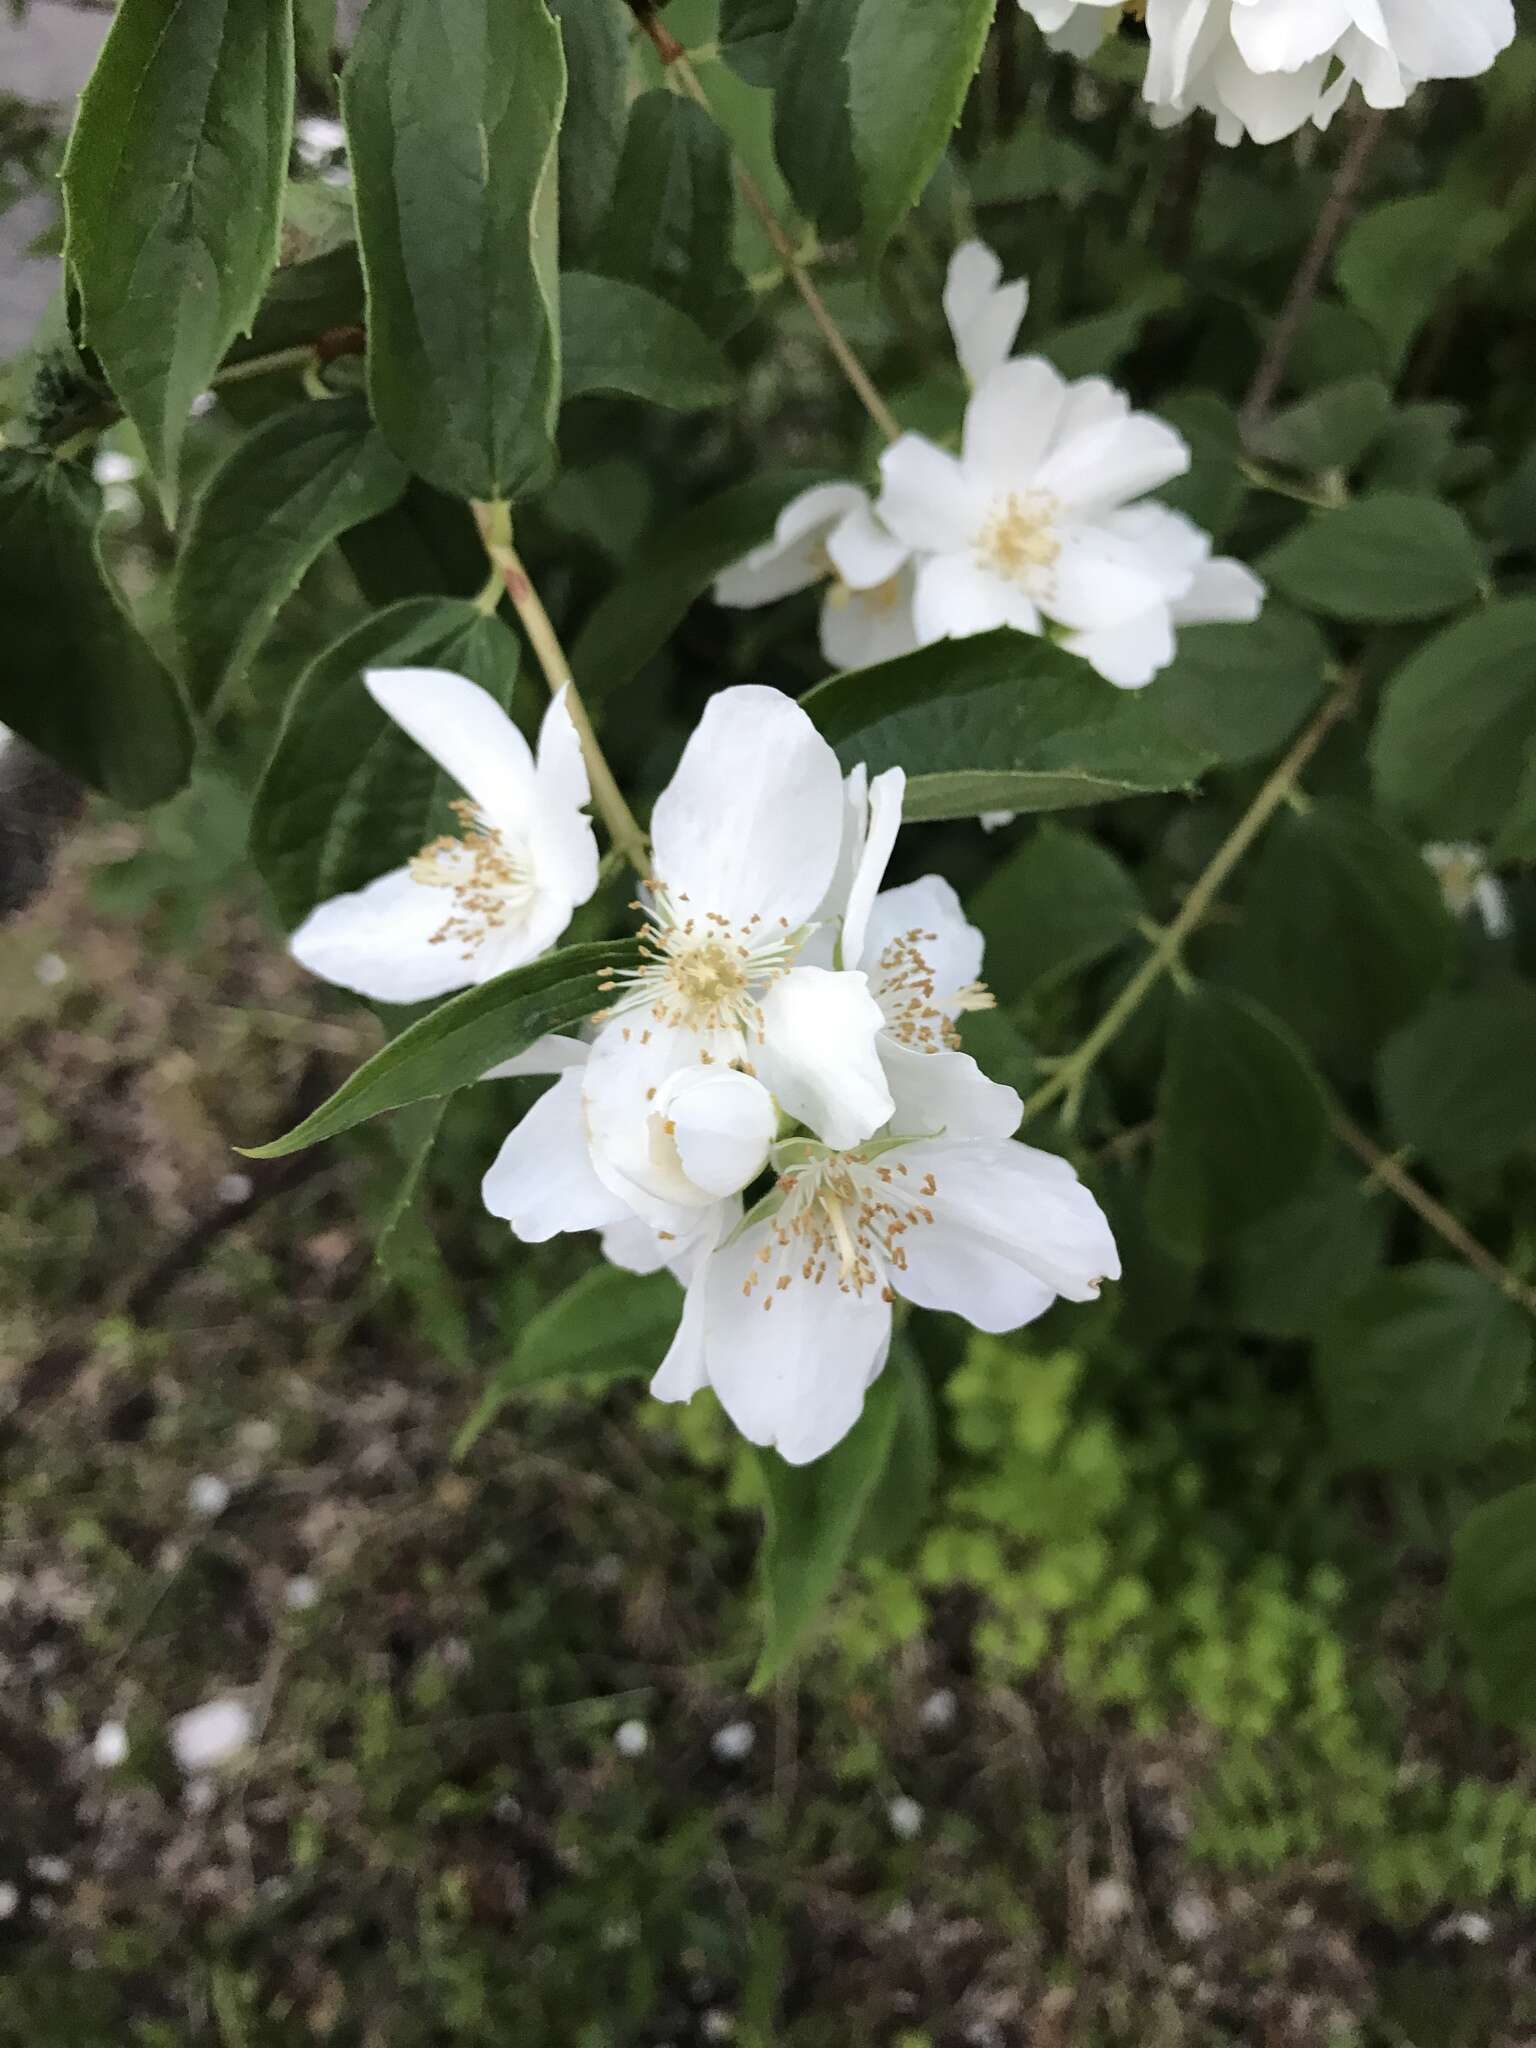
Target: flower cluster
(1266, 67)
(775, 1107)
(1042, 522)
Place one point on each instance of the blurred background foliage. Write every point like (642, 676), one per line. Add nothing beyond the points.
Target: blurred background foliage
(1140, 1715)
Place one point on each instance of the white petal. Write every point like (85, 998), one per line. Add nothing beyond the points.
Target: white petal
(723, 1124)
(819, 1053)
(1131, 654)
(860, 628)
(751, 822)
(863, 551)
(1101, 469)
(633, 1154)
(796, 557)
(1101, 580)
(542, 1181)
(682, 1374)
(956, 597)
(1009, 1223)
(1223, 589)
(884, 822)
(946, 1093)
(465, 731)
(951, 946)
(562, 844)
(1435, 39)
(1009, 424)
(378, 942)
(554, 1053)
(1284, 38)
(984, 314)
(927, 500)
(791, 1366)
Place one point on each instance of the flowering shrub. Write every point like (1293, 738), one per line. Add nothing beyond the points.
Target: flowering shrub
(716, 459)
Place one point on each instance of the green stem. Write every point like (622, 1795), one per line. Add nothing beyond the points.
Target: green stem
(495, 523)
(1071, 1074)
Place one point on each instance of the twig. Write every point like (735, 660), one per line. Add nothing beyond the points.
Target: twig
(495, 524)
(1423, 1204)
(1304, 285)
(1073, 1071)
(679, 66)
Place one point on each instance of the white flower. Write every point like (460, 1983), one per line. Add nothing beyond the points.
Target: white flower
(1468, 885)
(830, 534)
(1264, 67)
(211, 1734)
(984, 314)
(746, 841)
(466, 908)
(1021, 529)
(905, 1816)
(790, 1319)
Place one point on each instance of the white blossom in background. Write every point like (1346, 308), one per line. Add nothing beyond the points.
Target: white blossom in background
(1027, 526)
(212, 1734)
(496, 895)
(1264, 68)
(1468, 885)
(794, 1026)
(830, 535)
(208, 1495)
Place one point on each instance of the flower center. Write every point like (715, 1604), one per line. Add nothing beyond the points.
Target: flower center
(842, 1219)
(1019, 540)
(915, 1012)
(700, 972)
(486, 879)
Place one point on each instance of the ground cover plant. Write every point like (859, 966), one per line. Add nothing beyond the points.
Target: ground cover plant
(770, 1229)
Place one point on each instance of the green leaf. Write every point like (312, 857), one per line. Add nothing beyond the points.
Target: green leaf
(669, 571)
(263, 518)
(1517, 840)
(618, 337)
(898, 1507)
(910, 65)
(1059, 905)
(76, 679)
(1334, 428)
(1399, 259)
(405, 1249)
(1459, 1084)
(752, 37)
(173, 186)
(1387, 557)
(595, 35)
(611, 1325)
(1240, 1122)
(346, 795)
(1293, 1267)
(1423, 1367)
(303, 300)
(462, 1039)
(1238, 693)
(813, 1516)
(453, 109)
(672, 223)
(1344, 933)
(812, 120)
(1492, 1599)
(1001, 722)
(1457, 728)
